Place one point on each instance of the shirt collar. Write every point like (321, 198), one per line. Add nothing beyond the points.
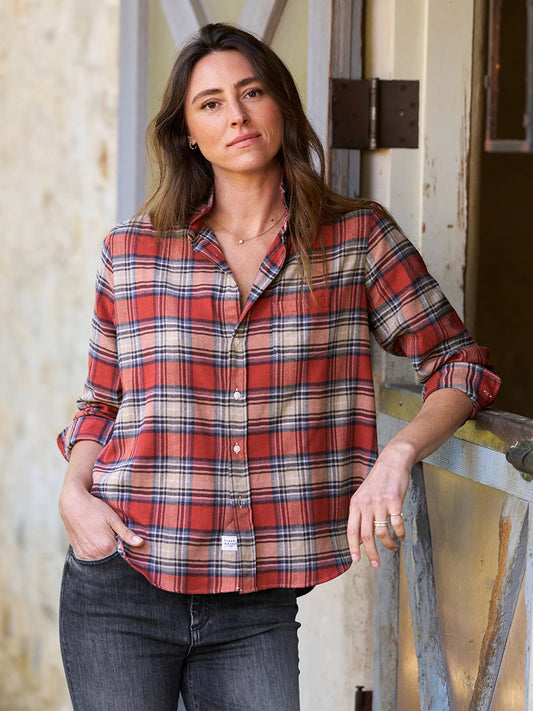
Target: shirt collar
(196, 220)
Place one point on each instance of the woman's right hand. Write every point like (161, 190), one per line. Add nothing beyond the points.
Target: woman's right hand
(92, 525)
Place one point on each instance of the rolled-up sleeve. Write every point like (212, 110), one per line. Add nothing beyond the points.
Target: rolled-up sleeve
(102, 394)
(410, 316)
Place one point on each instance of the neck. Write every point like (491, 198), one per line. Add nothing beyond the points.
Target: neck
(245, 206)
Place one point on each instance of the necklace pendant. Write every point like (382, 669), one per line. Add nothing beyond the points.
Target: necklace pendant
(240, 241)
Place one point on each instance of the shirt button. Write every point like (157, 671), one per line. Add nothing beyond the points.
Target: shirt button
(236, 341)
(240, 502)
(237, 395)
(236, 448)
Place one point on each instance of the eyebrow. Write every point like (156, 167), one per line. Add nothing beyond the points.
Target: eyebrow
(238, 85)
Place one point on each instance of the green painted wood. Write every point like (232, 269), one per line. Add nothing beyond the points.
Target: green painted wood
(472, 461)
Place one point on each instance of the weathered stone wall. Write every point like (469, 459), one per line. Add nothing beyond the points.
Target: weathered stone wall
(58, 98)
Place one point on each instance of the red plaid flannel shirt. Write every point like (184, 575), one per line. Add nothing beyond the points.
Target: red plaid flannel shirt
(234, 438)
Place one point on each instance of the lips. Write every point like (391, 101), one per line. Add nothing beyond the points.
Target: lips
(244, 139)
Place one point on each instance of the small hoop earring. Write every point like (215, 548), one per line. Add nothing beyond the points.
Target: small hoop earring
(192, 146)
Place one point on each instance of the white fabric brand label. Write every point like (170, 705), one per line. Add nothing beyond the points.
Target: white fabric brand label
(229, 543)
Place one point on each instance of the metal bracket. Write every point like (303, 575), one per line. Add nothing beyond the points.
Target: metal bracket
(521, 457)
(363, 699)
(373, 113)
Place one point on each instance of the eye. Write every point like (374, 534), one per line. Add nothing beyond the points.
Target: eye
(254, 93)
(209, 105)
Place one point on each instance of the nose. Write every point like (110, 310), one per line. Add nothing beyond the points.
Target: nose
(238, 115)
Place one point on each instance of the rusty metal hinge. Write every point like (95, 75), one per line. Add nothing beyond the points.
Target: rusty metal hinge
(373, 113)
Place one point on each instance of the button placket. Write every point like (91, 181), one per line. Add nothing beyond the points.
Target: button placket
(237, 403)
(238, 432)
(239, 479)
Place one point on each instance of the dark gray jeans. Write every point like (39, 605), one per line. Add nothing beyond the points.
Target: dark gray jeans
(129, 646)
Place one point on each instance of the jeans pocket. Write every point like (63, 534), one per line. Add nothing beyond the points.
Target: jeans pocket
(93, 561)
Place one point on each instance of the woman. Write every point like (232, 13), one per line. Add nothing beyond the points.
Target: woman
(226, 436)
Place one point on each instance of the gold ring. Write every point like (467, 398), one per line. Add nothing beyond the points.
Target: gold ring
(398, 514)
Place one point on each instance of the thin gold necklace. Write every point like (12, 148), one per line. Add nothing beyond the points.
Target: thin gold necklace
(260, 234)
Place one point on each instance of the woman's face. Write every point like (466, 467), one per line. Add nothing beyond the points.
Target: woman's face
(236, 124)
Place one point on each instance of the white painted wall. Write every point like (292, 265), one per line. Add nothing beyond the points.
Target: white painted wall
(336, 640)
(425, 188)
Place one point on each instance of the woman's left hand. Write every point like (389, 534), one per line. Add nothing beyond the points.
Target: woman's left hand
(380, 497)
(377, 502)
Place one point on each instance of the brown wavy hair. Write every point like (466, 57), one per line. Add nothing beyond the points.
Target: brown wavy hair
(186, 177)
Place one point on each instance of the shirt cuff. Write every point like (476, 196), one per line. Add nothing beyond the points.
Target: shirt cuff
(85, 426)
(478, 382)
